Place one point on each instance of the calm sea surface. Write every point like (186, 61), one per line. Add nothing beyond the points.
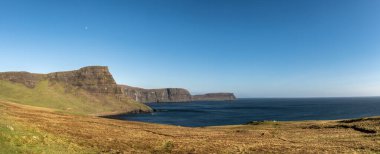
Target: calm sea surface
(241, 111)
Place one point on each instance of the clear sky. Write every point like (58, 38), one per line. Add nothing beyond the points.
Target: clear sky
(255, 48)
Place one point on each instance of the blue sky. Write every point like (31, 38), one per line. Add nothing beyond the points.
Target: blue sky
(255, 48)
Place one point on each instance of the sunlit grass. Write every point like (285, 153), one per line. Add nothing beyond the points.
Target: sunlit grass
(17, 138)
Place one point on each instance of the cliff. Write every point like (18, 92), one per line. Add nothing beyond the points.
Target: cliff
(214, 97)
(157, 95)
(96, 84)
(89, 90)
(94, 79)
(172, 95)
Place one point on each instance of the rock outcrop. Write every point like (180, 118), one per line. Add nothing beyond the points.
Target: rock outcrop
(28, 79)
(95, 79)
(214, 97)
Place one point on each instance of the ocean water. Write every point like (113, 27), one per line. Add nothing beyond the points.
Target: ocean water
(198, 114)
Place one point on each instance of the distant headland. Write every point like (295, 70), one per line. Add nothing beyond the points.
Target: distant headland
(94, 88)
(172, 95)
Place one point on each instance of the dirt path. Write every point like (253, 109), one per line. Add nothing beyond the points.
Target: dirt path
(114, 136)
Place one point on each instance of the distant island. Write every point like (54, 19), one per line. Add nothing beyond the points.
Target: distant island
(90, 90)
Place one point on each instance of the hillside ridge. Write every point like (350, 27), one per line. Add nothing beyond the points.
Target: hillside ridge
(98, 80)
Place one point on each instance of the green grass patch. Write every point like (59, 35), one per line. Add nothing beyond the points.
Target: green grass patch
(64, 98)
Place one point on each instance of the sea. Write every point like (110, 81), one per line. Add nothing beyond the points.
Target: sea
(241, 111)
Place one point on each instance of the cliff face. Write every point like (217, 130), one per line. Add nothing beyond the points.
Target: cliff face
(95, 79)
(214, 97)
(172, 95)
(157, 95)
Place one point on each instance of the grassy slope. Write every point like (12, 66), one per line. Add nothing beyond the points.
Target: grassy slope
(83, 133)
(18, 138)
(66, 99)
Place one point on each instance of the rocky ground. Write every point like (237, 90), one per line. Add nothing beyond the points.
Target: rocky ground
(26, 129)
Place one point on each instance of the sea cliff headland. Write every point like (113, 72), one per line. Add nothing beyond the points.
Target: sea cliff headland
(89, 90)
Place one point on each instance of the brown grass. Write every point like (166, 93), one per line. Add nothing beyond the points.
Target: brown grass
(114, 136)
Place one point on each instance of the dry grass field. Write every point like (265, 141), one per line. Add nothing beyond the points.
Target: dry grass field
(26, 129)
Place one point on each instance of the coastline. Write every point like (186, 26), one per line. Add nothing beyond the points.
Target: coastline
(117, 113)
(241, 111)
